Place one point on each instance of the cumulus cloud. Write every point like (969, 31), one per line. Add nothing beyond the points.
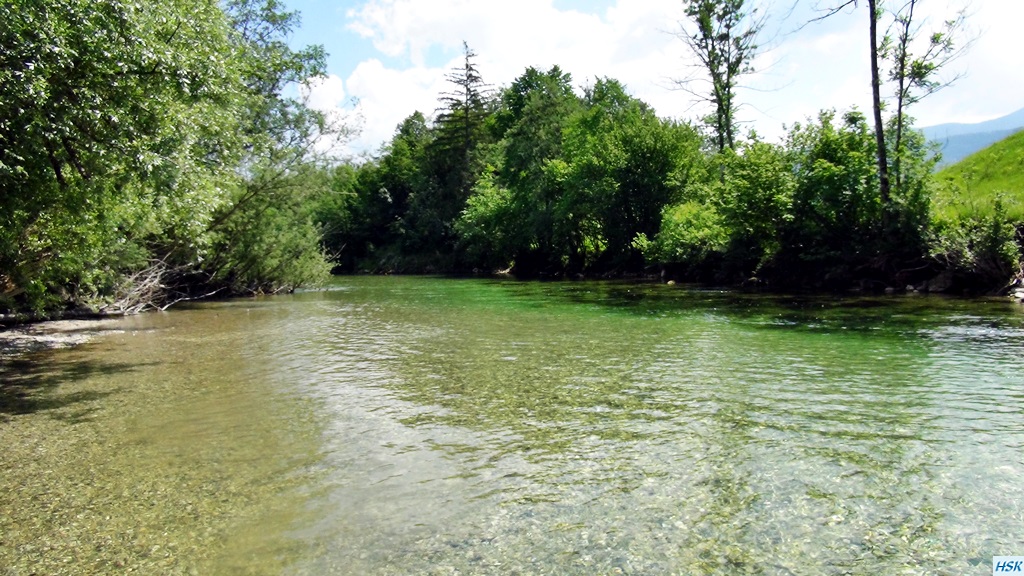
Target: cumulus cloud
(388, 95)
(631, 42)
(990, 84)
(802, 69)
(326, 94)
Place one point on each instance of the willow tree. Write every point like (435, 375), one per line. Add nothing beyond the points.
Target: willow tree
(262, 237)
(131, 134)
(112, 130)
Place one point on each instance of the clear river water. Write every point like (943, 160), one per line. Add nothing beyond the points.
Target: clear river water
(395, 425)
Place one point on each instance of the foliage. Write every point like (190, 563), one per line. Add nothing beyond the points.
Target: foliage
(599, 184)
(487, 226)
(450, 167)
(531, 120)
(271, 242)
(263, 238)
(112, 131)
(724, 40)
(691, 234)
(625, 165)
(133, 135)
(805, 213)
(915, 76)
(756, 203)
(574, 180)
(836, 209)
(150, 152)
(982, 246)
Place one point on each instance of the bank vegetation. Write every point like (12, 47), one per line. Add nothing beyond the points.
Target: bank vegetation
(158, 152)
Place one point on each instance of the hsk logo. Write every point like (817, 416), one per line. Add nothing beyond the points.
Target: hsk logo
(1008, 565)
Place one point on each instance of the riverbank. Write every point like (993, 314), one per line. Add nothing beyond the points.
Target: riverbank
(50, 335)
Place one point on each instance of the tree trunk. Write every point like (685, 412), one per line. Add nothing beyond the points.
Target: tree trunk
(883, 163)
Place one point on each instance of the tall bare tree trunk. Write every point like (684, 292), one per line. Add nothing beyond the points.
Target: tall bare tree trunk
(876, 97)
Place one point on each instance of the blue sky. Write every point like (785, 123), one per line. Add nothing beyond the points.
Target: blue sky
(391, 56)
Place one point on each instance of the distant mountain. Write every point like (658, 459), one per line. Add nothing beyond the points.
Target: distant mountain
(958, 141)
(956, 148)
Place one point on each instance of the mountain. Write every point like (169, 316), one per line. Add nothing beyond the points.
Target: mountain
(958, 141)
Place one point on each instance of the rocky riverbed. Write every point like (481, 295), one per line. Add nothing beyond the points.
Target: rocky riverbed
(23, 339)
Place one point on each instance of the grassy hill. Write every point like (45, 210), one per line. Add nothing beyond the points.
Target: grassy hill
(971, 186)
(957, 141)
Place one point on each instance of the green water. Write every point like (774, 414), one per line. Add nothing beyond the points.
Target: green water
(434, 426)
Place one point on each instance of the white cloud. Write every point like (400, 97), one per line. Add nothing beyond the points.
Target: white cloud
(803, 69)
(630, 42)
(324, 93)
(386, 96)
(991, 84)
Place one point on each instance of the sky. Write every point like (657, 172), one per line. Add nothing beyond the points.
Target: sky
(388, 58)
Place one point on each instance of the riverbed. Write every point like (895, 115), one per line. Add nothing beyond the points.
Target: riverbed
(394, 425)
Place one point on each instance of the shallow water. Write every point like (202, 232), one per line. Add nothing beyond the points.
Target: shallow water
(433, 426)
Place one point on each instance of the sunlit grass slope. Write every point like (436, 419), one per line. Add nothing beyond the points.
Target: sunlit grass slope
(972, 186)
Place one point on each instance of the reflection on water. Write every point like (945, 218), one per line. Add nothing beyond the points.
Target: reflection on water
(411, 425)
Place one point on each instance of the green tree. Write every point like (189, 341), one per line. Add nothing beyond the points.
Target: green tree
(147, 151)
(623, 166)
(112, 130)
(460, 126)
(458, 131)
(493, 229)
(388, 192)
(881, 153)
(915, 76)
(835, 227)
(532, 117)
(722, 35)
(756, 204)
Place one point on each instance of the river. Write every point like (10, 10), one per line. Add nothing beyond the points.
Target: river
(393, 425)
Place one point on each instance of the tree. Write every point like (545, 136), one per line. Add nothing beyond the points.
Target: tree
(112, 130)
(915, 75)
(884, 187)
(623, 165)
(834, 228)
(756, 203)
(911, 74)
(533, 115)
(266, 215)
(147, 152)
(724, 40)
(460, 123)
(389, 191)
(452, 168)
